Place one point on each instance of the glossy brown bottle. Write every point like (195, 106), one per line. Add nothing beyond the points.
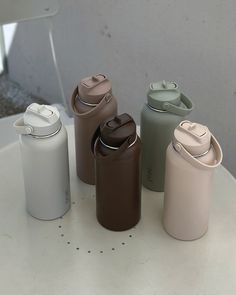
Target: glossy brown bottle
(117, 153)
(92, 103)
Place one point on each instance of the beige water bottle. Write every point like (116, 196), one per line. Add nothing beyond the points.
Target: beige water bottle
(190, 162)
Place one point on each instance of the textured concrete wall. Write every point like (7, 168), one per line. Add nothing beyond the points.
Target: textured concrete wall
(136, 42)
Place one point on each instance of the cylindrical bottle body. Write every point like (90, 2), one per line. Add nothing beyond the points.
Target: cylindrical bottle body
(118, 187)
(85, 127)
(46, 175)
(187, 197)
(156, 133)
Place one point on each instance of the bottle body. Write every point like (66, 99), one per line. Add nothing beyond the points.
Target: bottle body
(86, 124)
(156, 133)
(46, 174)
(118, 185)
(187, 197)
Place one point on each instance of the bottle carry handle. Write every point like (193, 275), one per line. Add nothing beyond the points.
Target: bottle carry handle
(194, 161)
(177, 110)
(106, 99)
(115, 154)
(21, 128)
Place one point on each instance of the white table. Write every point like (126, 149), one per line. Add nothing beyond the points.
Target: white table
(75, 255)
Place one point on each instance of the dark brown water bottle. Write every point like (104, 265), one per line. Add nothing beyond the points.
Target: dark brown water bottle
(92, 103)
(117, 153)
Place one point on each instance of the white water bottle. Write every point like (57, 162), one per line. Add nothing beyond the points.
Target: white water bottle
(44, 149)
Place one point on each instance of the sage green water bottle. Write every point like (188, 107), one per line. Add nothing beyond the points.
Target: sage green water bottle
(165, 108)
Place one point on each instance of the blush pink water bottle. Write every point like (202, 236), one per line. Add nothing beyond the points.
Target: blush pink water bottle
(191, 159)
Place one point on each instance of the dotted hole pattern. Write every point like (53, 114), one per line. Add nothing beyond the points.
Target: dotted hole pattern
(90, 251)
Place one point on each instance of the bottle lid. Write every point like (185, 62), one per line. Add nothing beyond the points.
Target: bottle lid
(194, 137)
(163, 92)
(116, 131)
(41, 120)
(93, 89)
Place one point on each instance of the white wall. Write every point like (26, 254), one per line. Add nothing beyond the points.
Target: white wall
(136, 42)
(1, 61)
(1, 51)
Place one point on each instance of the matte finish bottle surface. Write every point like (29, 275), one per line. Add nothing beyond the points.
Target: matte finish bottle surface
(164, 110)
(92, 103)
(44, 150)
(190, 162)
(118, 176)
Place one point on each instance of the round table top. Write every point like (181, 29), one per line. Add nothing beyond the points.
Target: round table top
(75, 255)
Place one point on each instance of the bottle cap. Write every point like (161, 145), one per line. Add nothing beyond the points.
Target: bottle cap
(166, 97)
(93, 89)
(163, 92)
(41, 120)
(116, 131)
(194, 137)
